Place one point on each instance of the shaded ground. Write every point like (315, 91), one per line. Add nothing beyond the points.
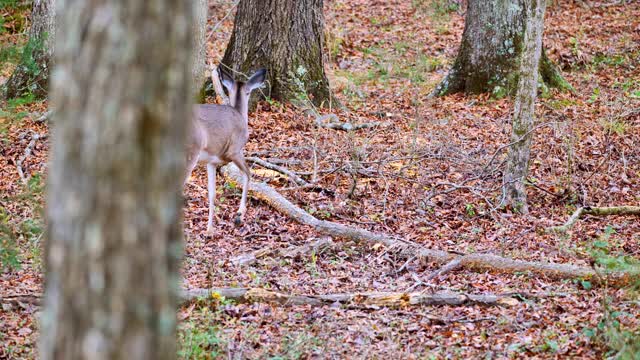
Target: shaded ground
(385, 57)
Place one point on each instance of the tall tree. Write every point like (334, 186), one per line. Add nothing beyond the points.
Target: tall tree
(515, 194)
(285, 37)
(121, 99)
(32, 74)
(492, 44)
(201, 8)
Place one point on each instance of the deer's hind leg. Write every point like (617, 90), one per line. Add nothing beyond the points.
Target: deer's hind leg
(211, 189)
(242, 165)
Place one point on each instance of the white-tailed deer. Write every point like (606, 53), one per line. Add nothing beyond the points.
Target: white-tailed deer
(218, 136)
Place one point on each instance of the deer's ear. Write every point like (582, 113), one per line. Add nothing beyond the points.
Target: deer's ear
(257, 79)
(226, 79)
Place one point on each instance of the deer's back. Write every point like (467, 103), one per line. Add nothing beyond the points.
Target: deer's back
(219, 130)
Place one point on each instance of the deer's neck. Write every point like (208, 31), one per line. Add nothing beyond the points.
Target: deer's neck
(241, 104)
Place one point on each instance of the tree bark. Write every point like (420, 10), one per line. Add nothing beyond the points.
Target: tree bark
(201, 8)
(32, 74)
(120, 92)
(285, 37)
(492, 43)
(515, 194)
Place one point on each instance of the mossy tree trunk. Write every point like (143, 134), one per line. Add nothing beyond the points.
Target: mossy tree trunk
(515, 194)
(286, 38)
(201, 8)
(121, 99)
(32, 74)
(491, 46)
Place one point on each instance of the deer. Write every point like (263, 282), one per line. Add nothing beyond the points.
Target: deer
(218, 136)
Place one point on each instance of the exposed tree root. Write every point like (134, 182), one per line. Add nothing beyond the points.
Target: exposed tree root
(596, 211)
(477, 262)
(291, 252)
(389, 299)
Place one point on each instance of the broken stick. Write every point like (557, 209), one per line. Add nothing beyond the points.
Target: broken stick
(596, 211)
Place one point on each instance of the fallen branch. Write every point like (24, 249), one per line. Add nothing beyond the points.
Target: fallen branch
(217, 85)
(45, 117)
(290, 174)
(302, 184)
(21, 300)
(384, 299)
(477, 262)
(27, 153)
(596, 211)
(291, 252)
(321, 121)
(450, 266)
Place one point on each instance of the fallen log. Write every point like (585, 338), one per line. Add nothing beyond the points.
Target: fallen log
(383, 299)
(595, 211)
(477, 262)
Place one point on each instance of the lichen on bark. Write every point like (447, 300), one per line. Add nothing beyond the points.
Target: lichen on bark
(490, 49)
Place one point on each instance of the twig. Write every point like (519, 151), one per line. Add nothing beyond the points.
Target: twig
(450, 266)
(267, 165)
(493, 157)
(596, 211)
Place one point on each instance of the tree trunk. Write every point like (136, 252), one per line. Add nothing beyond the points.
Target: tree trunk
(32, 74)
(121, 103)
(285, 37)
(201, 8)
(491, 45)
(515, 194)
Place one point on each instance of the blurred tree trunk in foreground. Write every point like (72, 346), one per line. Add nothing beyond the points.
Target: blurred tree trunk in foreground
(490, 49)
(32, 74)
(286, 38)
(120, 92)
(515, 194)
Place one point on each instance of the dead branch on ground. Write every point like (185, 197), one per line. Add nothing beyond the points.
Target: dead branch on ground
(336, 124)
(595, 211)
(477, 262)
(27, 153)
(291, 252)
(383, 299)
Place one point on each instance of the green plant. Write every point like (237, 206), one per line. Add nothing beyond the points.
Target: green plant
(9, 256)
(621, 341)
(10, 54)
(615, 127)
(470, 209)
(29, 229)
(12, 112)
(197, 343)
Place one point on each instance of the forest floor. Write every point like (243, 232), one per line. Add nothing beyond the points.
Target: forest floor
(425, 175)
